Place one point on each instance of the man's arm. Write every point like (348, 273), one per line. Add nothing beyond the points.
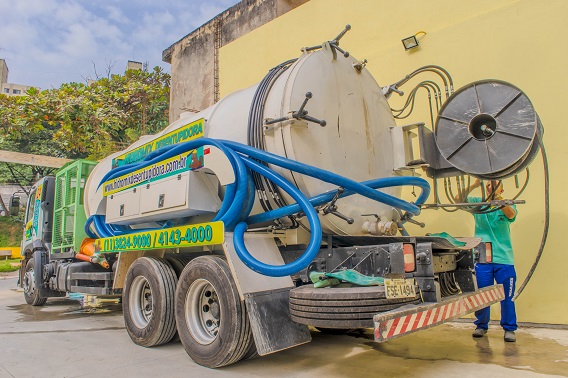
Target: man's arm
(509, 211)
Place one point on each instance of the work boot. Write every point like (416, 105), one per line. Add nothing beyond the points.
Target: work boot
(479, 332)
(510, 336)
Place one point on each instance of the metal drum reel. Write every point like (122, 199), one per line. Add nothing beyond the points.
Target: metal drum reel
(488, 129)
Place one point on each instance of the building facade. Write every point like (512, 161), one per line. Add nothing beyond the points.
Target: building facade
(486, 39)
(10, 89)
(195, 83)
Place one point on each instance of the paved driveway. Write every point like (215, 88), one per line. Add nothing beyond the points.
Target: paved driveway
(63, 340)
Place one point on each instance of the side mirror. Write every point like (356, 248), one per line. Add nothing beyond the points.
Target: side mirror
(14, 205)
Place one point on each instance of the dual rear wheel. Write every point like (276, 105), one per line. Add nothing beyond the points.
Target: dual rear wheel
(211, 319)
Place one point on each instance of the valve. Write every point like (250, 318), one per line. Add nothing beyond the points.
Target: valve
(358, 66)
(331, 208)
(378, 226)
(299, 114)
(407, 217)
(334, 43)
(389, 89)
(419, 224)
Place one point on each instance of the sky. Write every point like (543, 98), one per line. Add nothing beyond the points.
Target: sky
(50, 42)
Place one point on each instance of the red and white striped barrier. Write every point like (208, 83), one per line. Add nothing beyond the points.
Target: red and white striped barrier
(412, 318)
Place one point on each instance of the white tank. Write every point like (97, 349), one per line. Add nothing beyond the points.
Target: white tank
(355, 143)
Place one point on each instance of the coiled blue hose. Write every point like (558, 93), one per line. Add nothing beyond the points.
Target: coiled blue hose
(315, 228)
(239, 196)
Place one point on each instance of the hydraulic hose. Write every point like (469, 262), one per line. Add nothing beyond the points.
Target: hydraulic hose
(546, 220)
(239, 196)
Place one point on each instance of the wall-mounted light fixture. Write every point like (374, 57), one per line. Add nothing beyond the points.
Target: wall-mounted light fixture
(411, 42)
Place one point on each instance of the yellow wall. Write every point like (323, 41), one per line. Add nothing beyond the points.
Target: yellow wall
(15, 251)
(522, 42)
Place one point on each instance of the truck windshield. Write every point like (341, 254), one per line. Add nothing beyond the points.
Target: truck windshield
(31, 205)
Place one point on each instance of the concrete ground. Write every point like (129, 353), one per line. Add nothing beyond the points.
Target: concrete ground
(63, 340)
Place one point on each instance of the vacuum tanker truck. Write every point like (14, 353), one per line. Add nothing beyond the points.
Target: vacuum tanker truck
(278, 208)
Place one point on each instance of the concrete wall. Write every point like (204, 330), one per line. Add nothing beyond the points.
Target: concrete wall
(6, 192)
(515, 41)
(3, 72)
(192, 57)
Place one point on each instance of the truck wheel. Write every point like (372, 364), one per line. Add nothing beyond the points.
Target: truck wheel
(212, 321)
(30, 293)
(177, 262)
(148, 302)
(251, 352)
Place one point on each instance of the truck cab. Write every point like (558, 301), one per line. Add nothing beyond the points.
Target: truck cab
(53, 235)
(38, 221)
(36, 240)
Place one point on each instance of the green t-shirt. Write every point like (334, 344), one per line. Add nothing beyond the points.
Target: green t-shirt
(494, 227)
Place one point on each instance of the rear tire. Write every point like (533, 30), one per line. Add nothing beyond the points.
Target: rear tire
(211, 318)
(148, 302)
(177, 262)
(31, 294)
(343, 308)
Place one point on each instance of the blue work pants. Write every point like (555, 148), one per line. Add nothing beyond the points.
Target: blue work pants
(503, 274)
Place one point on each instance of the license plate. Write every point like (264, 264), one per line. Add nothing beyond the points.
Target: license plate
(399, 288)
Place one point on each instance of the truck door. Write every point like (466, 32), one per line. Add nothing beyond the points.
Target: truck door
(38, 222)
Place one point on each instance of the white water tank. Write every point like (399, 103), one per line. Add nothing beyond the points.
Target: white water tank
(355, 143)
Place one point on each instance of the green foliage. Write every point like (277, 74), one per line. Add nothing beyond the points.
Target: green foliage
(5, 265)
(80, 121)
(11, 232)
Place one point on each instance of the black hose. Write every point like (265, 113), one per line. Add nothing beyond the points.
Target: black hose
(546, 219)
(524, 185)
(268, 192)
(428, 85)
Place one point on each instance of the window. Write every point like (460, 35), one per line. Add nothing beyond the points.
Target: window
(6, 90)
(16, 91)
(31, 206)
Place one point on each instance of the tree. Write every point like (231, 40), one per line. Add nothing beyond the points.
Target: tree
(80, 121)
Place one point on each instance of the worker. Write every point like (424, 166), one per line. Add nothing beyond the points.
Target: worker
(494, 227)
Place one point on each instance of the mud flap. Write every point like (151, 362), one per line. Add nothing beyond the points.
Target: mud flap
(40, 260)
(272, 327)
(266, 298)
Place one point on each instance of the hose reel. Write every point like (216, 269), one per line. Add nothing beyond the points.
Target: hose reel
(488, 129)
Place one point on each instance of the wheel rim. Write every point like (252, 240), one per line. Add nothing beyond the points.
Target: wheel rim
(202, 311)
(140, 302)
(29, 283)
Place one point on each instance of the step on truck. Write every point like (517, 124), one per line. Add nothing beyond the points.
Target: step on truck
(279, 208)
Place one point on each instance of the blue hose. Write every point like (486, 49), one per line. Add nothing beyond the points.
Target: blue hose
(239, 196)
(328, 196)
(88, 231)
(315, 227)
(325, 176)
